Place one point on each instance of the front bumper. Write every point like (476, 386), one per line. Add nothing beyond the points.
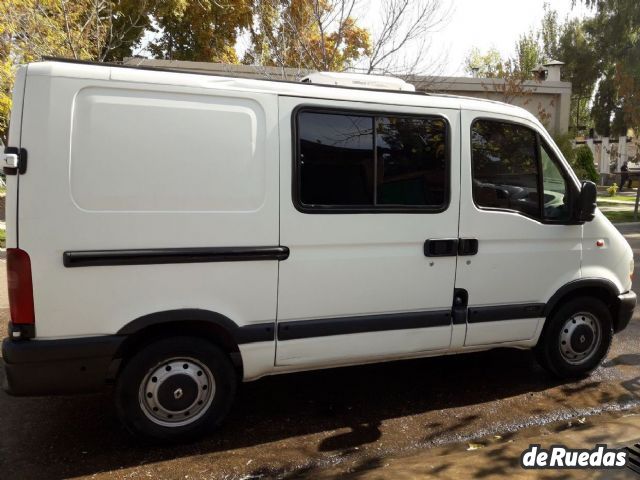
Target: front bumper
(49, 367)
(626, 305)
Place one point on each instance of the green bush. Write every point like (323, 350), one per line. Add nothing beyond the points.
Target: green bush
(583, 164)
(566, 147)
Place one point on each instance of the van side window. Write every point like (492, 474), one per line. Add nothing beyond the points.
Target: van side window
(511, 167)
(505, 170)
(354, 162)
(411, 156)
(336, 159)
(556, 189)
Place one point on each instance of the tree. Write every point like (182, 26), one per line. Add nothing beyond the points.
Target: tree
(510, 77)
(484, 65)
(306, 34)
(550, 32)
(576, 50)
(81, 29)
(491, 64)
(200, 30)
(30, 29)
(406, 25)
(569, 41)
(327, 35)
(529, 55)
(605, 104)
(125, 22)
(615, 30)
(583, 164)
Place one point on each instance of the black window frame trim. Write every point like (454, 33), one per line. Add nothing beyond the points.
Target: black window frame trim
(346, 209)
(573, 190)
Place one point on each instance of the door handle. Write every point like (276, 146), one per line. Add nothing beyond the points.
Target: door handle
(441, 247)
(467, 246)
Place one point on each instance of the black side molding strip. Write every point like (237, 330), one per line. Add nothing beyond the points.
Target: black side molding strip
(37, 351)
(505, 312)
(362, 324)
(155, 256)
(256, 332)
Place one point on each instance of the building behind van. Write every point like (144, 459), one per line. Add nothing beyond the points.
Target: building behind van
(545, 96)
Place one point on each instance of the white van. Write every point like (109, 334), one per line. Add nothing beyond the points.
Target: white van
(175, 233)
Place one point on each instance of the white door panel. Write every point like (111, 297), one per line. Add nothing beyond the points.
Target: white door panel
(356, 264)
(354, 348)
(488, 333)
(520, 260)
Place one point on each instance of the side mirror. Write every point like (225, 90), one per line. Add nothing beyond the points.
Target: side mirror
(586, 204)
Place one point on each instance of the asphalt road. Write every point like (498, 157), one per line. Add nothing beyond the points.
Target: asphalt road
(296, 424)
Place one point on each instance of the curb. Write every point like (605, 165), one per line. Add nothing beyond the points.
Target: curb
(626, 224)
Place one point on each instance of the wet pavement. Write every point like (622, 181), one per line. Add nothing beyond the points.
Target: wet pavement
(499, 456)
(310, 424)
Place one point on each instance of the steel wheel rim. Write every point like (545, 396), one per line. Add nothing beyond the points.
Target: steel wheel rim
(579, 338)
(177, 392)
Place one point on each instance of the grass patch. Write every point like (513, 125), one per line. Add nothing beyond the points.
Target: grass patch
(620, 216)
(3, 238)
(617, 198)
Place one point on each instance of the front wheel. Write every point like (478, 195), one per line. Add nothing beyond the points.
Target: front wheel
(577, 338)
(175, 389)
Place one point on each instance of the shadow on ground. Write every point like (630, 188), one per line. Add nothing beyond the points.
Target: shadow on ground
(69, 437)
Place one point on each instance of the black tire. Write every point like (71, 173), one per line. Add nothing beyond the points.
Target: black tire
(202, 362)
(570, 363)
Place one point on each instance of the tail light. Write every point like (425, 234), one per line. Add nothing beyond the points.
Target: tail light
(20, 287)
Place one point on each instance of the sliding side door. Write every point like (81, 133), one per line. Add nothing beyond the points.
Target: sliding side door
(362, 188)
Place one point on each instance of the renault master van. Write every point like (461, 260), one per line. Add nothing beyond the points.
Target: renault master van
(176, 233)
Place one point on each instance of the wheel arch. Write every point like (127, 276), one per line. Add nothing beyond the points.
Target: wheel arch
(213, 326)
(600, 288)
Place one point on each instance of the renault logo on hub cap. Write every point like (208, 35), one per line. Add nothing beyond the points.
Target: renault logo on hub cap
(177, 394)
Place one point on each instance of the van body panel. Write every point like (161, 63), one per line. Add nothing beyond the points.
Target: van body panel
(342, 349)
(519, 261)
(100, 180)
(613, 261)
(186, 176)
(489, 333)
(354, 264)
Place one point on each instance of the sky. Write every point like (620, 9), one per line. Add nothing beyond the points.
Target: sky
(485, 24)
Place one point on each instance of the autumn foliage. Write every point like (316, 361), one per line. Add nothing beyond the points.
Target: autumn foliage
(313, 34)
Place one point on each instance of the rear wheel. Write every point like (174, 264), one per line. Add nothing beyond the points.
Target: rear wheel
(175, 389)
(577, 338)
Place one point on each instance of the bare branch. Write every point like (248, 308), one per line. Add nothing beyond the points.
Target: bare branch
(406, 24)
(67, 29)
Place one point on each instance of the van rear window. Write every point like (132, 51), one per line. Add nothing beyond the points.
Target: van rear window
(353, 162)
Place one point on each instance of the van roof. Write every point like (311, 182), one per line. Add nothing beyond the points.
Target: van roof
(70, 68)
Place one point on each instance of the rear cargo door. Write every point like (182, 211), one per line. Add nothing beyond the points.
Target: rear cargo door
(14, 142)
